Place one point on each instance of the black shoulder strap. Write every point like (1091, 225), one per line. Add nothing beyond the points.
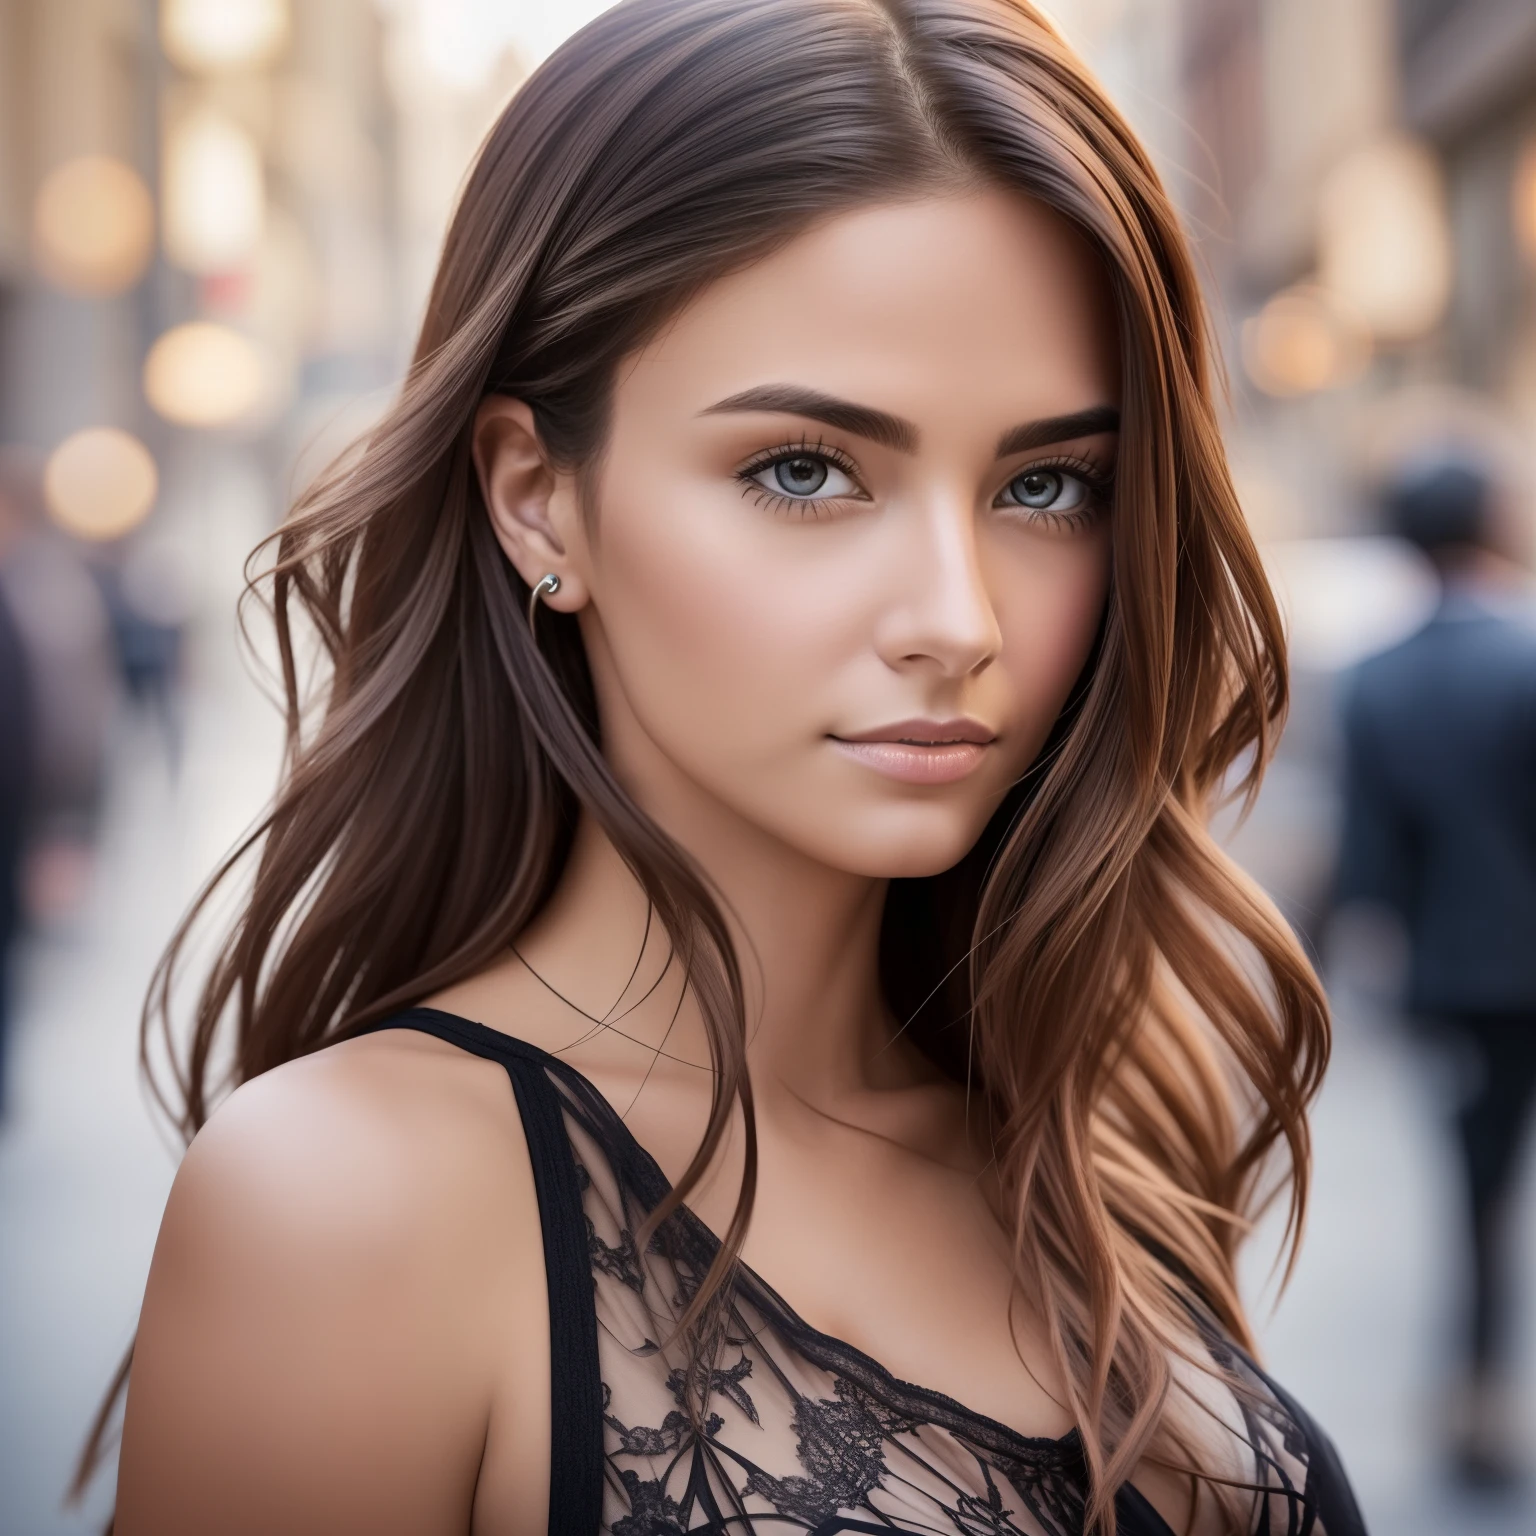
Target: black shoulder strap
(576, 1405)
(1328, 1486)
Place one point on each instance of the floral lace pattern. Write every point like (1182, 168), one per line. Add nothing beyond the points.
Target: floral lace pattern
(802, 1433)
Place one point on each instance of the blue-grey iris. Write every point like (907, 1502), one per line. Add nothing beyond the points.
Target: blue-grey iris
(1036, 487)
(800, 477)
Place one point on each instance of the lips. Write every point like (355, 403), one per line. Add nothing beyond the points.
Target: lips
(920, 751)
(926, 733)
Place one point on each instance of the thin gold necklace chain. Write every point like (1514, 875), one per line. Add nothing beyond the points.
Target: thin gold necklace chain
(603, 1022)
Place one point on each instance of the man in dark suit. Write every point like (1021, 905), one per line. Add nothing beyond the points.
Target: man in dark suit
(1440, 824)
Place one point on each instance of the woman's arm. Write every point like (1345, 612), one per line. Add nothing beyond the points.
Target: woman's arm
(345, 1327)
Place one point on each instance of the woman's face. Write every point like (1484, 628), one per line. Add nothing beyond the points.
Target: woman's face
(850, 546)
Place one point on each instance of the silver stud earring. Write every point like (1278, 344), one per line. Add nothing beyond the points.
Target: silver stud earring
(547, 587)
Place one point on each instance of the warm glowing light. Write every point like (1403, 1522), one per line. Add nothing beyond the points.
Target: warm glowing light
(215, 204)
(211, 35)
(540, 29)
(1303, 341)
(1384, 245)
(459, 44)
(204, 375)
(100, 483)
(93, 226)
(1522, 202)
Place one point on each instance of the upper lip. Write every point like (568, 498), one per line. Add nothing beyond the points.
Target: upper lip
(928, 732)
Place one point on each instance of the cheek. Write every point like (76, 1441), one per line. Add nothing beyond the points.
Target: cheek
(1049, 609)
(714, 624)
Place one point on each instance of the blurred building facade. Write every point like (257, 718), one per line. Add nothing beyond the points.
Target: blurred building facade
(218, 219)
(220, 167)
(218, 222)
(1469, 86)
(1362, 178)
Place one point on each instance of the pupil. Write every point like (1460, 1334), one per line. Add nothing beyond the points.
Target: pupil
(1039, 487)
(801, 475)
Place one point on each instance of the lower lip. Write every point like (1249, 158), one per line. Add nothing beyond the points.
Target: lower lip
(912, 764)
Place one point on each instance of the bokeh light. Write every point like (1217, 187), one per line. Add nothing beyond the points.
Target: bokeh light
(457, 45)
(541, 28)
(1384, 243)
(214, 198)
(206, 36)
(1303, 341)
(93, 226)
(100, 483)
(204, 375)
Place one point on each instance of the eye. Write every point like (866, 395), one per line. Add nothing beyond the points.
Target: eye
(802, 476)
(1072, 492)
(1048, 490)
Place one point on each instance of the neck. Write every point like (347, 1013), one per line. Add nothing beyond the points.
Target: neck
(806, 938)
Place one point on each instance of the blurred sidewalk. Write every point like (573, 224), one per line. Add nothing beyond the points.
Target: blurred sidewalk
(1363, 1332)
(1359, 1336)
(84, 1168)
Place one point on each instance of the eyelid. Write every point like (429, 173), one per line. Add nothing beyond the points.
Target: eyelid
(1084, 463)
(809, 507)
(804, 446)
(1097, 475)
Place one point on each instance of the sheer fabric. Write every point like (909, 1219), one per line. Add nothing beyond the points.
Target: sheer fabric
(800, 1432)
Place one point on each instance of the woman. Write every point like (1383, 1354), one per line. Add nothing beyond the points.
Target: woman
(782, 645)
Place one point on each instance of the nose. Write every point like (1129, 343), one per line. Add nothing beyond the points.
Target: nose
(940, 616)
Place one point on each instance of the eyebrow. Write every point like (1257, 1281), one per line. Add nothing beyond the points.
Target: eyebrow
(1058, 429)
(898, 433)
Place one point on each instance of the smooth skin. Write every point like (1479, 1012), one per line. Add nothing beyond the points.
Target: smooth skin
(345, 1327)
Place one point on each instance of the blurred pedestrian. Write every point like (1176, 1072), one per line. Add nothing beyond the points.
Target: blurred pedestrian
(148, 647)
(58, 609)
(1440, 824)
(17, 741)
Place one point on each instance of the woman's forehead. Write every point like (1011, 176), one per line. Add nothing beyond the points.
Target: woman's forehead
(977, 297)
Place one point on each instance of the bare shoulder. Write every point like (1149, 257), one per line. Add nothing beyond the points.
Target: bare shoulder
(391, 1146)
(368, 1132)
(346, 1292)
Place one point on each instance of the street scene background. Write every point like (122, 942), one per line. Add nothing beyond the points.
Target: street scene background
(218, 219)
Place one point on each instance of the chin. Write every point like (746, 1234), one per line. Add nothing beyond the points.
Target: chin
(902, 846)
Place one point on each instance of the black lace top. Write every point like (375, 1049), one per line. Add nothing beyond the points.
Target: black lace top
(801, 1433)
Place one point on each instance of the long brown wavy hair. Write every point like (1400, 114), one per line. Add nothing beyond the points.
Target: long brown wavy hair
(1143, 1023)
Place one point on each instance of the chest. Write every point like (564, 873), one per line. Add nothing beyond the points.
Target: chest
(797, 1427)
(902, 1257)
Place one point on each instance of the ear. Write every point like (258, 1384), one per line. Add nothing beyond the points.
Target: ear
(531, 503)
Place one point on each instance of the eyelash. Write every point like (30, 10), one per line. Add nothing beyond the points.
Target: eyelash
(1099, 480)
(800, 506)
